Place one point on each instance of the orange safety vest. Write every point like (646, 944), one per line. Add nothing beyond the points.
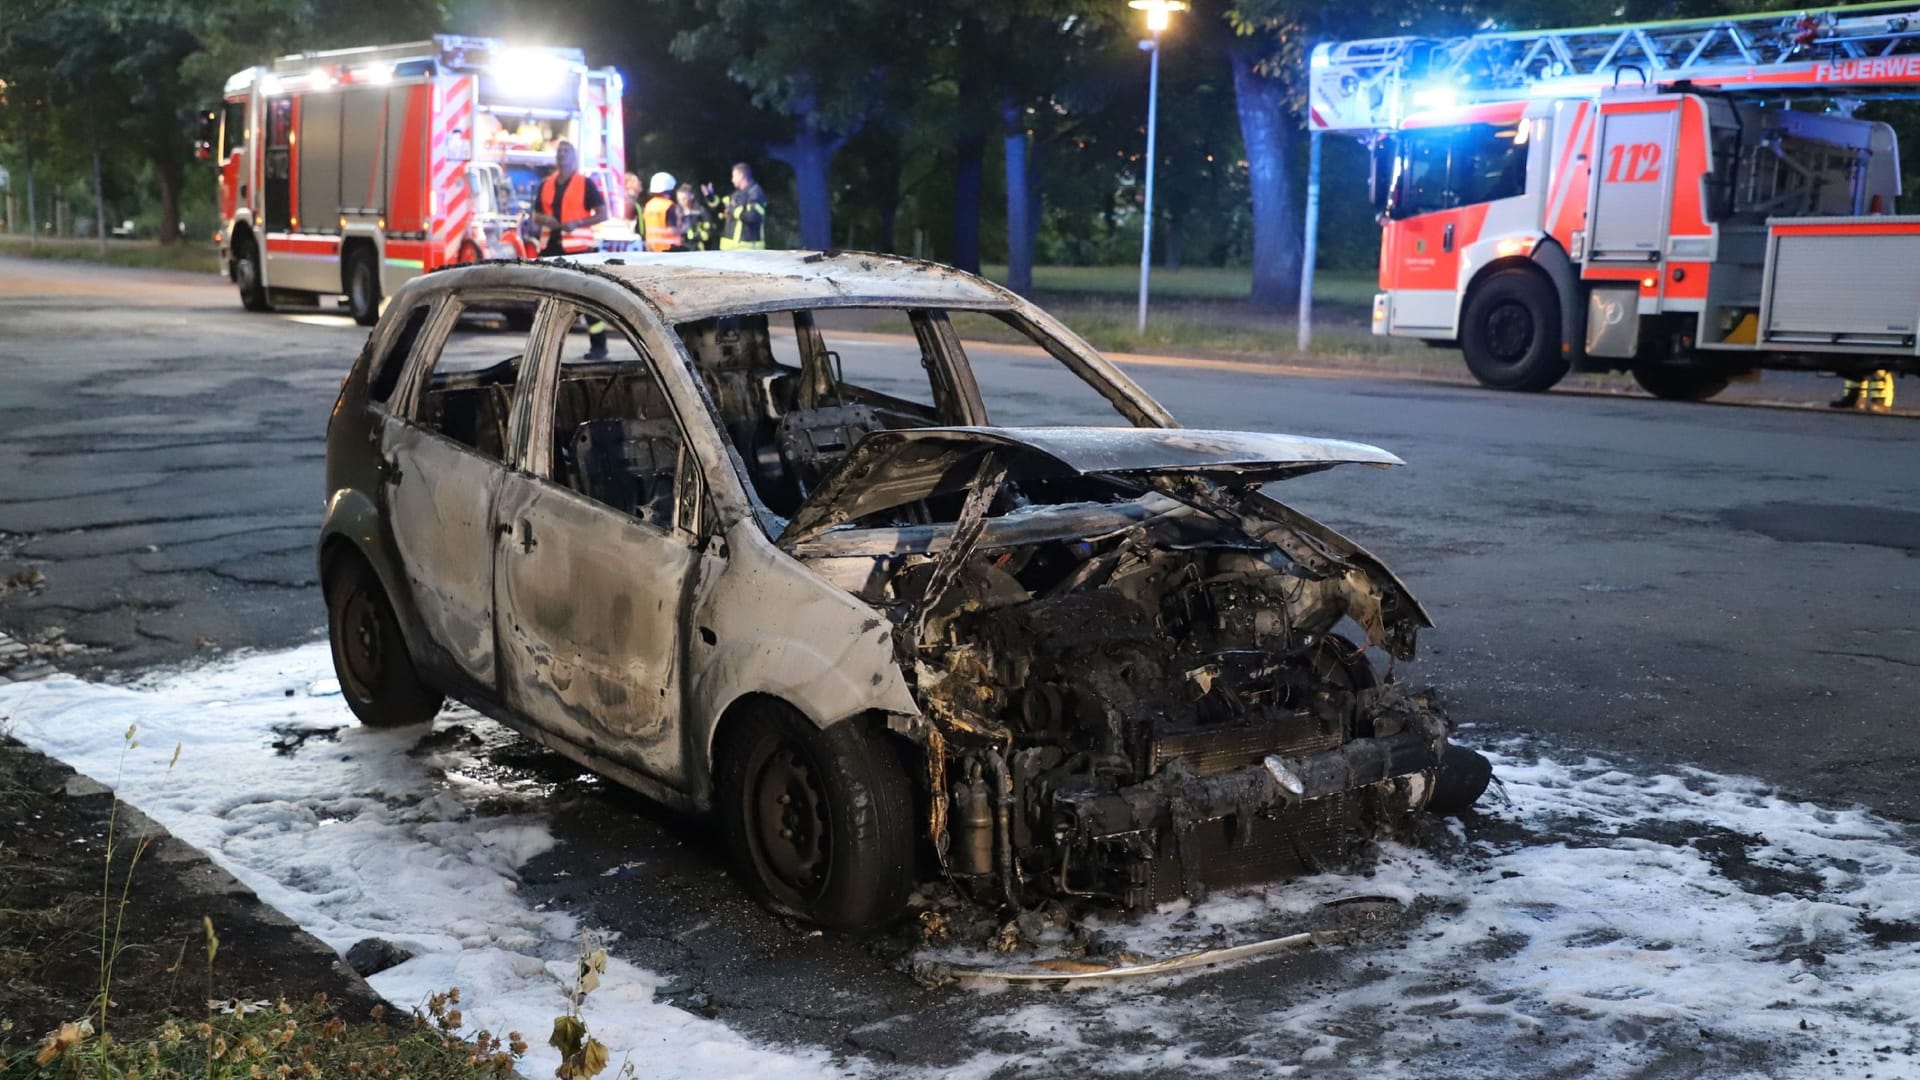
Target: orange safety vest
(573, 207)
(663, 230)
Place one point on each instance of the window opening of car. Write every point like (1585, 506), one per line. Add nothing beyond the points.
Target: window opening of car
(797, 390)
(467, 392)
(615, 439)
(387, 369)
(1021, 389)
(795, 405)
(1447, 167)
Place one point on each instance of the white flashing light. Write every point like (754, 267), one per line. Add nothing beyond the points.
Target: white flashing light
(270, 84)
(1435, 96)
(532, 72)
(374, 74)
(319, 79)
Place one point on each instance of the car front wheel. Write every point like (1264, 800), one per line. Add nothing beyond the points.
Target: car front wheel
(819, 824)
(370, 656)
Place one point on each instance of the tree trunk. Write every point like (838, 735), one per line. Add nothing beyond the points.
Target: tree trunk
(1169, 245)
(99, 192)
(1019, 204)
(33, 207)
(1267, 131)
(810, 156)
(971, 151)
(167, 173)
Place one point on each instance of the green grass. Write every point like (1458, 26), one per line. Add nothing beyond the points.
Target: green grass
(277, 1041)
(143, 254)
(1339, 288)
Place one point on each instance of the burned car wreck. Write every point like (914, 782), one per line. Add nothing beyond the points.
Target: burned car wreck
(766, 564)
(1134, 689)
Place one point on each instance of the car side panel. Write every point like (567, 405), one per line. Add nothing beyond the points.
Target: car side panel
(592, 615)
(438, 502)
(765, 624)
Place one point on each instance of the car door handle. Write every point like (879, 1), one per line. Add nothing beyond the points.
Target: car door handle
(1446, 239)
(389, 469)
(527, 542)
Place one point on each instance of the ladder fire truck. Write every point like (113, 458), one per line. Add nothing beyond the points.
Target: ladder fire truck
(345, 173)
(1691, 201)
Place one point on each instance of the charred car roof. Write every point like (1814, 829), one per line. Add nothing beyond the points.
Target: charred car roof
(692, 285)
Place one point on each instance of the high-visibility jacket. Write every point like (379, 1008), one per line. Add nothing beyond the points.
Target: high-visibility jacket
(575, 205)
(743, 218)
(661, 219)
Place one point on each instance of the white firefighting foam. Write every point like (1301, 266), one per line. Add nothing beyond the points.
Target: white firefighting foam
(1604, 923)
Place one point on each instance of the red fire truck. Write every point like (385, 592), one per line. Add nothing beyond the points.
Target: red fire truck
(1691, 201)
(345, 173)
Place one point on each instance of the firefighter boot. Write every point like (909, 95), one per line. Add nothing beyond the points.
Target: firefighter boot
(1880, 392)
(1855, 396)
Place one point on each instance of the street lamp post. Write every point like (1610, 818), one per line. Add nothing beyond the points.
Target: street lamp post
(1159, 14)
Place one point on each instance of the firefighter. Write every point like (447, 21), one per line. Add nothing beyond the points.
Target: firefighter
(742, 214)
(696, 225)
(660, 218)
(567, 202)
(1871, 394)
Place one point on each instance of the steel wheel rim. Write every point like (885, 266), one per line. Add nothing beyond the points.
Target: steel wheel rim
(248, 275)
(1510, 331)
(787, 821)
(362, 643)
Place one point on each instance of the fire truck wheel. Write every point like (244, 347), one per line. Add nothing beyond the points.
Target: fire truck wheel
(246, 275)
(1679, 383)
(1511, 333)
(363, 287)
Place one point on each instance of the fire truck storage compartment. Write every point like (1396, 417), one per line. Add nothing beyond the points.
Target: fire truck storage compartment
(1633, 186)
(1842, 284)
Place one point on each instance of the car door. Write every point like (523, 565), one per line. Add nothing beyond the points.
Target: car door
(602, 551)
(443, 455)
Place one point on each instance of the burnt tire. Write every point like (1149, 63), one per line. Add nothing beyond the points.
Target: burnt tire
(361, 278)
(1510, 333)
(370, 657)
(819, 824)
(247, 276)
(1679, 383)
(1462, 778)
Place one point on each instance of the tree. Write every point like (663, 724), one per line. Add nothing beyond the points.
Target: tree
(828, 69)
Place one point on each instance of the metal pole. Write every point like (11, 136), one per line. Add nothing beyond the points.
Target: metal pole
(1311, 252)
(1146, 227)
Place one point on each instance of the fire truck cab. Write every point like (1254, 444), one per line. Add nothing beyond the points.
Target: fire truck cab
(1689, 202)
(345, 173)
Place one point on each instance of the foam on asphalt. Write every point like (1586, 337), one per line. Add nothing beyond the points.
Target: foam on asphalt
(1603, 922)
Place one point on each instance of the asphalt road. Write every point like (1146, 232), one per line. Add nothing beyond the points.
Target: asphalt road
(1726, 587)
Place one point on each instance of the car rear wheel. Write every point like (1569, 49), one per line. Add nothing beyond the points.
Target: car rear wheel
(370, 656)
(363, 287)
(1510, 333)
(819, 824)
(1679, 383)
(246, 276)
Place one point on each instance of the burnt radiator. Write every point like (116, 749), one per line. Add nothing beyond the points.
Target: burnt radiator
(1211, 752)
(1227, 852)
(1224, 852)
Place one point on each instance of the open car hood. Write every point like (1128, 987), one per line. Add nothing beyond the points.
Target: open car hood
(889, 469)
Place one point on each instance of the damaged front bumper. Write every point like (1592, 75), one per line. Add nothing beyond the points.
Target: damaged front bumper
(1176, 800)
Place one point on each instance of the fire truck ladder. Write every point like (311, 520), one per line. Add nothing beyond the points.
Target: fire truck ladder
(1858, 51)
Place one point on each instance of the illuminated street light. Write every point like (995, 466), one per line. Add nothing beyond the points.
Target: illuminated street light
(1159, 16)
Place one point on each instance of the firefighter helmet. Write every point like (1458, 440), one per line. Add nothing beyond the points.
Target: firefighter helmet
(662, 183)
